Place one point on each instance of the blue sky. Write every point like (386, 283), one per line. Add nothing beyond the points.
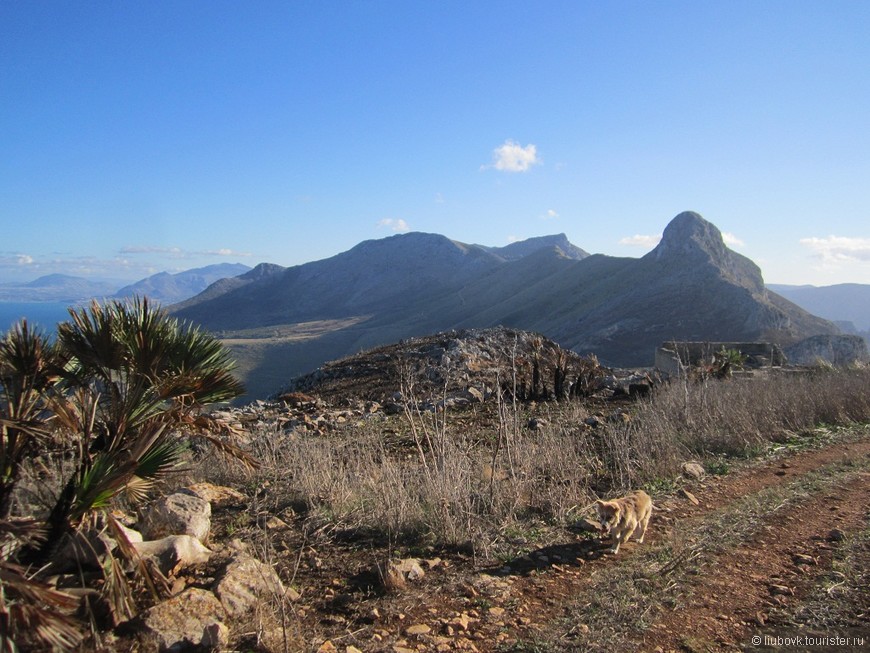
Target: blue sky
(151, 136)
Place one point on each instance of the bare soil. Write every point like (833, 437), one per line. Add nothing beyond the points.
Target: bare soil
(737, 557)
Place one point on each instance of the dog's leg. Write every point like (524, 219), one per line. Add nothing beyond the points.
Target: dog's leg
(643, 524)
(617, 540)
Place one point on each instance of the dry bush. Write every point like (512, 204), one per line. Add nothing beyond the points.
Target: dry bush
(738, 417)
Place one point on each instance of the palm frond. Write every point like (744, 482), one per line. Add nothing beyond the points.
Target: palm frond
(34, 613)
(97, 485)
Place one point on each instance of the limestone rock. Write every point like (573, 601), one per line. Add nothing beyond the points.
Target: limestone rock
(246, 581)
(396, 574)
(837, 350)
(173, 552)
(178, 514)
(180, 621)
(692, 469)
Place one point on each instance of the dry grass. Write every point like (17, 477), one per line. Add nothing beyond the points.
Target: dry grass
(430, 478)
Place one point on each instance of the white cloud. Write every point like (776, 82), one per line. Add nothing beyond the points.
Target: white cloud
(731, 239)
(513, 157)
(398, 225)
(839, 249)
(639, 240)
(224, 251)
(550, 215)
(10, 260)
(175, 252)
(178, 253)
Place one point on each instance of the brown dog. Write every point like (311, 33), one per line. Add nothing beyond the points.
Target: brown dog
(621, 517)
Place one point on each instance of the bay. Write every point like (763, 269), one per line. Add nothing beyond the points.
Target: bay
(44, 314)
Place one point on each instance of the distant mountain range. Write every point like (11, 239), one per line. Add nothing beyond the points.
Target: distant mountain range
(56, 288)
(164, 287)
(846, 303)
(282, 322)
(172, 288)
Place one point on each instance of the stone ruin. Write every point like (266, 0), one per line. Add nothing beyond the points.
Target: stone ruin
(673, 357)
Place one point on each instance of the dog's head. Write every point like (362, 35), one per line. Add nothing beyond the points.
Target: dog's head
(608, 515)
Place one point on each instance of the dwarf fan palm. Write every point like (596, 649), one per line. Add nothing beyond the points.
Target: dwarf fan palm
(29, 369)
(136, 378)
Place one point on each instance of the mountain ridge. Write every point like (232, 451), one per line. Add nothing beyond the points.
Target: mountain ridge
(691, 286)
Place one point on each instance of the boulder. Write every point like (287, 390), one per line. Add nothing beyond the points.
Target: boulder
(180, 622)
(178, 514)
(173, 552)
(245, 582)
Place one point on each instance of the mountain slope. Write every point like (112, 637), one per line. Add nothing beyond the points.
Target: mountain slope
(690, 287)
(371, 278)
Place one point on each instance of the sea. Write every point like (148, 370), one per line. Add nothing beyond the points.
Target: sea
(46, 315)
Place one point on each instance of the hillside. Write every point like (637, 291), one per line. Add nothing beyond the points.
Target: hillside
(690, 287)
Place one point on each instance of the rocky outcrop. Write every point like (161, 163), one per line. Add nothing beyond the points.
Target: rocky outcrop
(456, 368)
(839, 351)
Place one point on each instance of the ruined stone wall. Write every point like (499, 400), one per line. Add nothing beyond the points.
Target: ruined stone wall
(672, 357)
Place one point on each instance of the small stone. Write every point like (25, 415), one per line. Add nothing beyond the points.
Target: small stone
(781, 589)
(693, 470)
(418, 629)
(496, 612)
(691, 497)
(462, 621)
(327, 647)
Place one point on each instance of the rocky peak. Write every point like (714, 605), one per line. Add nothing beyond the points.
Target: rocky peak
(689, 236)
(693, 242)
(262, 271)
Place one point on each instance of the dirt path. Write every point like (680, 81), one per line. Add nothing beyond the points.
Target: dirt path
(735, 593)
(718, 604)
(709, 576)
